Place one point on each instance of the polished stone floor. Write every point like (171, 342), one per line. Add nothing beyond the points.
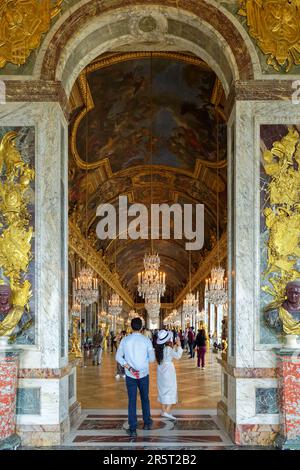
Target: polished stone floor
(197, 389)
(104, 402)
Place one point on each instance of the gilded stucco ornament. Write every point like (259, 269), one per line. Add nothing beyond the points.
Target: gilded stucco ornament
(22, 23)
(275, 25)
(16, 235)
(282, 217)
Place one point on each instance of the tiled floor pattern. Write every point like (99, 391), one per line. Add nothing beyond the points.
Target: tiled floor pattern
(107, 429)
(104, 402)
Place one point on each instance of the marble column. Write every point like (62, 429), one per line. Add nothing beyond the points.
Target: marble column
(211, 319)
(219, 322)
(44, 390)
(250, 410)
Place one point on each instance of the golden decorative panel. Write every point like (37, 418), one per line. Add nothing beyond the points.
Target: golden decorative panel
(16, 231)
(275, 25)
(282, 213)
(22, 23)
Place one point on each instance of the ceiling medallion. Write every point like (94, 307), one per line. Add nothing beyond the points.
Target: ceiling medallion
(275, 25)
(22, 23)
(147, 24)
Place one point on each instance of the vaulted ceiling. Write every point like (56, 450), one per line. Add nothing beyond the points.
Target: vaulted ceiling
(119, 102)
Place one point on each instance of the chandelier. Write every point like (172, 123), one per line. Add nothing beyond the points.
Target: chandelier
(132, 314)
(86, 287)
(216, 287)
(76, 309)
(151, 281)
(201, 315)
(190, 304)
(115, 304)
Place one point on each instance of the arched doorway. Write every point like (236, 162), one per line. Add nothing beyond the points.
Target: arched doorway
(74, 42)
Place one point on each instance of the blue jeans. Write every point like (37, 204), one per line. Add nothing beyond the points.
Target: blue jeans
(143, 386)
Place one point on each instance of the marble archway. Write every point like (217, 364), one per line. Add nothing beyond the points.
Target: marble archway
(40, 100)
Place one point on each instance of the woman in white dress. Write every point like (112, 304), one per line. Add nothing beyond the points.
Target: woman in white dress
(166, 374)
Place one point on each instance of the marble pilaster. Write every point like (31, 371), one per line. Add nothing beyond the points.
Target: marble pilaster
(48, 354)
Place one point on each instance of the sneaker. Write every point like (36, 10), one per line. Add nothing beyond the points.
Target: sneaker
(124, 376)
(203, 368)
(168, 416)
(117, 376)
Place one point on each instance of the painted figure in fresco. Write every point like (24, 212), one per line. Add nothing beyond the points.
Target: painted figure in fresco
(13, 318)
(286, 318)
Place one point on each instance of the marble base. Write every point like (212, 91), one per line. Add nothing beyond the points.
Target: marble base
(12, 442)
(247, 434)
(74, 413)
(44, 435)
(286, 444)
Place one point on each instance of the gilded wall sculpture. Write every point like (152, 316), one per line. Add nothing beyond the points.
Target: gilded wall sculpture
(280, 223)
(22, 23)
(275, 25)
(16, 234)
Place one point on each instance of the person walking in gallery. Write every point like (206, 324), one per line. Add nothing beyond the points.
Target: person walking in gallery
(134, 354)
(200, 344)
(97, 346)
(120, 369)
(165, 353)
(191, 342)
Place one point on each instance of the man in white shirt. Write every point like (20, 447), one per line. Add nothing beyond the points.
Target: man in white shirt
(134, 354)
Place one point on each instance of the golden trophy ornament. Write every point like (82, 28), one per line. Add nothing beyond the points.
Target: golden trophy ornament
(22, 24)
(275, 25)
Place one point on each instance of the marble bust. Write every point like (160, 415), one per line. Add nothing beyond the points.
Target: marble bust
(286, 317)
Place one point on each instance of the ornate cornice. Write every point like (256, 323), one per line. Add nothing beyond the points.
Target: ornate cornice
(204, 269)
(79, 245)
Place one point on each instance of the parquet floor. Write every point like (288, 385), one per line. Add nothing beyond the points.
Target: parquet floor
(197, 389)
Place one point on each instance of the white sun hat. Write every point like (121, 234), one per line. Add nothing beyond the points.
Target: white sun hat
(164, 336)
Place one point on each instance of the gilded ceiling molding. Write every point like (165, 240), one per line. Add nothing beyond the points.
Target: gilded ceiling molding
(78, 244)
(275, 25)
(22, 23)
(204, 269)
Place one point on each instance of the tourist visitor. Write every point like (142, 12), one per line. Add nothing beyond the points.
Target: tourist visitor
(97, 347)
(120, 369)
(165, 352)
(200, 344)
(191, 342)
(181, 337)
(113, 341)
(134, 354)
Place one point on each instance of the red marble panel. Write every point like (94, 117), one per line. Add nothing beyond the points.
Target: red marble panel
(8, 390)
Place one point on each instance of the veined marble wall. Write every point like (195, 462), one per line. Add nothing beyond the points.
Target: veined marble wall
(25, 143)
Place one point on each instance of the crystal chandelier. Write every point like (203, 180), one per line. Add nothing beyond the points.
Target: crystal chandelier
(216, 287)
(152, 304)
(151, 281)
(132, 314)
(86, 287)
(115, 304)
(190, 304)
(201, 315)
(76, 309)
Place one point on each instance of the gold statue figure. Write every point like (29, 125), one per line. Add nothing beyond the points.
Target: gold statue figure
(22, 23)
(282, 218)
(275, 25)
(15, 238)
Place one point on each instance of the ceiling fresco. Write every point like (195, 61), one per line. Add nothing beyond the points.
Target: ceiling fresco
(115, 112)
